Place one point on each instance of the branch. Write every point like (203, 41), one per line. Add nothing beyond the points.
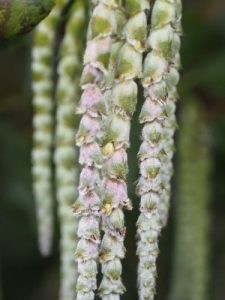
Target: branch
(21, 16)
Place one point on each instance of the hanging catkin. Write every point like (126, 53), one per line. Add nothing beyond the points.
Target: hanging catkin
(122, 101)
(94, 81)
(66, 156)
(170, 124)
(42, 69)
(160, 77)
(190, 273)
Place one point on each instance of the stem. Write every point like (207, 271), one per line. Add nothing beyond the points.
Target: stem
(66, 158)
(160, 77)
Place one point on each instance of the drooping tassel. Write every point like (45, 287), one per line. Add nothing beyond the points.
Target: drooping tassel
(122, 99)
(160, 77)
(42, 69)
(190, 272)
(66, 156)
(94, 81)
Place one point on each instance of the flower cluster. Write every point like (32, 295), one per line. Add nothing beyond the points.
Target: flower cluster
(120, 53)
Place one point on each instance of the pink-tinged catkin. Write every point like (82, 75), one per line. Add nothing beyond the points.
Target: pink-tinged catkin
(160, 77)
(121, 99)
(95, 81)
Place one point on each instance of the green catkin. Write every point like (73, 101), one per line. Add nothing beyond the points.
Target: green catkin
(160, 77)
(94, 81)
(42, 85)
(66, 156)
(190, 274)
(170, 125)
(122, 99)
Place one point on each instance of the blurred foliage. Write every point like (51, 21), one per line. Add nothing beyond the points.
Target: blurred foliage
(24, 275)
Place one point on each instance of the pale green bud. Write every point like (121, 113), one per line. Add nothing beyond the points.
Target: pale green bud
(124, 97)
(111, 248)
(85, 284)
(135, 6)
(135, 31)
(88, 268)
(152, 110)
(97, 53)
(129, 64)
(114, 223)
(118, 130)
(163, 13)
(112, 269)
(155, 67)
(103, 22)
(111, 287)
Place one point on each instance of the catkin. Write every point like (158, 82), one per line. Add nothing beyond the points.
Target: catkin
(122, 99)
(66, 156)
(190, 267)
(42, 85)
(160, 77)
(94, 81)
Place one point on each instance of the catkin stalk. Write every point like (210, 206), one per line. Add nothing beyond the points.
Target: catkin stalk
(42, 85)
(122, 99)
(160, 77)
(190, 268)
(66, 156)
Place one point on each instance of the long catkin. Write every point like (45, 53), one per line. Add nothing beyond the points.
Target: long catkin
(122, 99)
(190, 267)
(160, 77)
(42, 85)
(66, 156)
(94, 82)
